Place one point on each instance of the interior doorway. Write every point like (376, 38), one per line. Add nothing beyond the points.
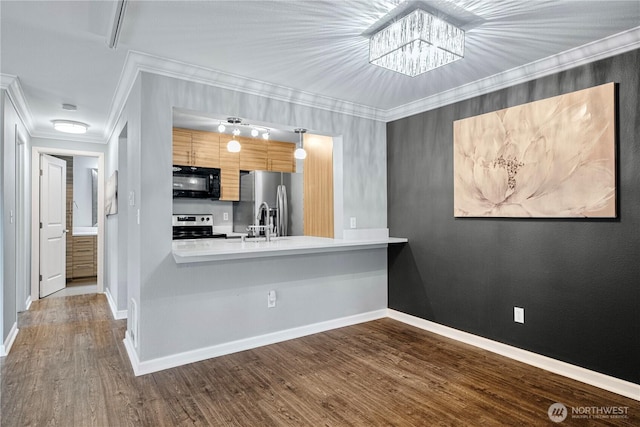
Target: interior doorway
(91, 232)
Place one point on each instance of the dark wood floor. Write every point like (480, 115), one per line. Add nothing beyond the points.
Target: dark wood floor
(68, 367)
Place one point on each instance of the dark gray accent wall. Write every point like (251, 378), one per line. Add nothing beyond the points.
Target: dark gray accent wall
(577, 279)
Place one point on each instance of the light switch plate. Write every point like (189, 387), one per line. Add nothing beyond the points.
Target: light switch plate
(518, 314)
(353, 222)
(225, 216)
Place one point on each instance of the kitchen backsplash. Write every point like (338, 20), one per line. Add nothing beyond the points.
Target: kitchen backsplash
(208, 207)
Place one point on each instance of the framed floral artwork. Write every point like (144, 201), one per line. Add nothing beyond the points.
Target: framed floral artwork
(553, 158)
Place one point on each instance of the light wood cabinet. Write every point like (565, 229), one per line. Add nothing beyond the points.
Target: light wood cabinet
(181, 147)
(253, 155)
(209, 149)
(280, 156)
(196, 148)
(318, 186)
(205, 149)
(229, 174)
(84, 256)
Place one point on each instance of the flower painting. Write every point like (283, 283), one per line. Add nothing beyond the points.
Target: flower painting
(553, 158)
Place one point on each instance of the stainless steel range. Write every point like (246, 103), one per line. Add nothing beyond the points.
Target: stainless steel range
(194, 227)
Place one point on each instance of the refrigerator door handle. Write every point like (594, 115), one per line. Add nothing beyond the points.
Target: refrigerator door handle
(285, 216)
(279, 210)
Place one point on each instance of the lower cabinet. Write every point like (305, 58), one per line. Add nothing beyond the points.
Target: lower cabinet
(84, 257)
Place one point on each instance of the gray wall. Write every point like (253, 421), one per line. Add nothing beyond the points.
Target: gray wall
(161, 280)
(578, 280)
(13, 285)
(122, 253)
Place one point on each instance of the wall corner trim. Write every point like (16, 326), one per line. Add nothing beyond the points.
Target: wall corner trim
(117, 314)
(6, 347)
(596, 379)
(197, 355)
(14, 89)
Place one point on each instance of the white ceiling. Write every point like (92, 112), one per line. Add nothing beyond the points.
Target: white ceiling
(58, 52)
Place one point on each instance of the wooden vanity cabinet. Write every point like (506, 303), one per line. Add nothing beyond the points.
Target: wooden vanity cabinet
(84, 256)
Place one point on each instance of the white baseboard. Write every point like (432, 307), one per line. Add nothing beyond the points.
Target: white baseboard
(596, 379)
(117, 314)
(27, 303)
(6, 347)
(133, 356)
(174, 360)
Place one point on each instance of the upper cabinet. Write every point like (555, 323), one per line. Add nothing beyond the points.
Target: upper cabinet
(196, 148)
(280, 156)
(253, 155)
(181, 147)
(206, 149)
(229, 175)
(209, 150)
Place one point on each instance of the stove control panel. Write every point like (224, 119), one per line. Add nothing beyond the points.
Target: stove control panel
(192, 220)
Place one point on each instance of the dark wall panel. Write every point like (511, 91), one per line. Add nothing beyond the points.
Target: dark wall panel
(578, 280)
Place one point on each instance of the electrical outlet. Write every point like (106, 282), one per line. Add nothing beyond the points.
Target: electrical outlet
(353, 222)
(225, 216)
(518, 314)
(271, 299)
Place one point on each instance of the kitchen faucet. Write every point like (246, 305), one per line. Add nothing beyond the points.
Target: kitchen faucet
(268, 225)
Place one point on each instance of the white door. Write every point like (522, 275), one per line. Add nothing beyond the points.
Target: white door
(53, 222)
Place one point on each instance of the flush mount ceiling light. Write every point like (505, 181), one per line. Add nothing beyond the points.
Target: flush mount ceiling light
(300, 153)
(221, 127)
(69, 126)
(415, 44)
(254, 132)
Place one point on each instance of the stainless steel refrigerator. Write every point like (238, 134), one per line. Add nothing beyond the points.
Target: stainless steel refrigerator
(281, 191)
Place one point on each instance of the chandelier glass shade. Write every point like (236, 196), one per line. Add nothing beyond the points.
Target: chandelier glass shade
(417, 43)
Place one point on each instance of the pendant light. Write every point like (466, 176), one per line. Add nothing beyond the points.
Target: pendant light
(300, 153)
(234, 146)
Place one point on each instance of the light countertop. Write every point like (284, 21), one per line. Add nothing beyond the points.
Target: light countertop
(85, 231)
(203, 250)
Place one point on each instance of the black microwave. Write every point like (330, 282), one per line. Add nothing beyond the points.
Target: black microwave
(197, 183)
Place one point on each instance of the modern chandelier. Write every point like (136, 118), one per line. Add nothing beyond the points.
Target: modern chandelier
(415, 44)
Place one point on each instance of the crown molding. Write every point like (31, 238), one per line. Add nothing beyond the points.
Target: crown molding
(13, 87)
(600, 49)
(53, 134)
(137, 62)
